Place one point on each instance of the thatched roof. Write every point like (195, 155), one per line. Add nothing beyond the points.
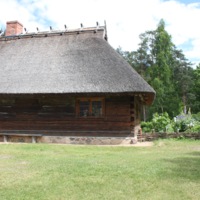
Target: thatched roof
(72, 62)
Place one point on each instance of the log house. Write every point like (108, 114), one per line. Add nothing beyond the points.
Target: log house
(68, 86)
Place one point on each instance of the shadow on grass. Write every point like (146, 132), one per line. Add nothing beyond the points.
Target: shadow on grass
(195, 153)
(185, 167)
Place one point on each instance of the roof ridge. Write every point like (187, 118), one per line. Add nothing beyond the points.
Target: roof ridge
(53, 33)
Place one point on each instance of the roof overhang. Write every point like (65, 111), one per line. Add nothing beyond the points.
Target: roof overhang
(145, 98)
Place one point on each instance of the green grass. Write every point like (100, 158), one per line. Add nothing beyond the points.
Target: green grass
(168, 170)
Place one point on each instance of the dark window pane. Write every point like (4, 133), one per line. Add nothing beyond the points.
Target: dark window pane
(97, 108)
(84, 108)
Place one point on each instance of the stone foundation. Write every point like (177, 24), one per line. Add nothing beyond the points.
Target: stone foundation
(19, 139)
(87, 140)
(84, 140)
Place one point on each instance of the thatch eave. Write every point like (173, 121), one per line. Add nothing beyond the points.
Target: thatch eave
(79, 62)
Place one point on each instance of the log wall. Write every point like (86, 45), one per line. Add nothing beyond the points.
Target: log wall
(57, 116)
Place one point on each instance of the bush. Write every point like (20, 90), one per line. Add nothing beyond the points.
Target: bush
(147, 127)
(194, 129)
(184, 123)
(160, 122)
(196, 116)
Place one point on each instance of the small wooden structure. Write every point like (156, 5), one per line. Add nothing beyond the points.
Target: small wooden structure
(73, 84)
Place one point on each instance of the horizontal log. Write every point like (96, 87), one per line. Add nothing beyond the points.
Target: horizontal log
(32, 115)
(39, 133)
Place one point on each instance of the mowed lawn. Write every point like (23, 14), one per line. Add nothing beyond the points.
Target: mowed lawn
(168, 170)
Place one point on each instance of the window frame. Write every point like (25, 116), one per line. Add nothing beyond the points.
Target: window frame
(90, 100)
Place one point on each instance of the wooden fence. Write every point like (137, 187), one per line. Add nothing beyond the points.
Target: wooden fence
(155, 136)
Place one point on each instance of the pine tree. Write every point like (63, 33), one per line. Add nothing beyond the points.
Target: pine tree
(196, 89)
(166, 69)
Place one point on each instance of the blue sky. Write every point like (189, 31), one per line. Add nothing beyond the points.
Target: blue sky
(126, 19)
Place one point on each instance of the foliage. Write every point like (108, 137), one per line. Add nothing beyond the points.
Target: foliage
(196, 116)
(160, 122)
(196, 89)
(147, 127)
(181, 123)
(187, 123)
(168, 71)
(195, 128)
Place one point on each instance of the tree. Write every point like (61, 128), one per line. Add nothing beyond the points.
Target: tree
(196, 89)
(162, 53)
(165, 68)
(183, 79)
(154, 59)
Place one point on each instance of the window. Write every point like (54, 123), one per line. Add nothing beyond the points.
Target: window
(84, 107)
(90, 107)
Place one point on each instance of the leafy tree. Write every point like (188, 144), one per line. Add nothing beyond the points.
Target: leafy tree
(162, 53)
(142, 59)
(166, 69)
(156, 51)
(196, 89)
(183, 79)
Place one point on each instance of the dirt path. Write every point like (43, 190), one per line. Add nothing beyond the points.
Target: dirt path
(139, 144)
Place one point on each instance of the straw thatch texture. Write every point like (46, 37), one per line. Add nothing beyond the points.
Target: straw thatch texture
(65, 63)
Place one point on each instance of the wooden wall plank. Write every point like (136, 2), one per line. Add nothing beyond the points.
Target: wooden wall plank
(54, 114)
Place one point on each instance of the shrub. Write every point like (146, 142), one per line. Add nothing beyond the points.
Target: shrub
(195, 128)
(196, 116)
(146, 127)
(184, 123)
(160, 122)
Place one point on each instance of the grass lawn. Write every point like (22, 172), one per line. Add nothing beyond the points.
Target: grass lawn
(168, 170)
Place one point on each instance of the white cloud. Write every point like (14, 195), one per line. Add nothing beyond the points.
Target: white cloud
(182, 25)
(125, 19)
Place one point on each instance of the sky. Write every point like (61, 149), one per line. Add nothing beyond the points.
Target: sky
(125, 19)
